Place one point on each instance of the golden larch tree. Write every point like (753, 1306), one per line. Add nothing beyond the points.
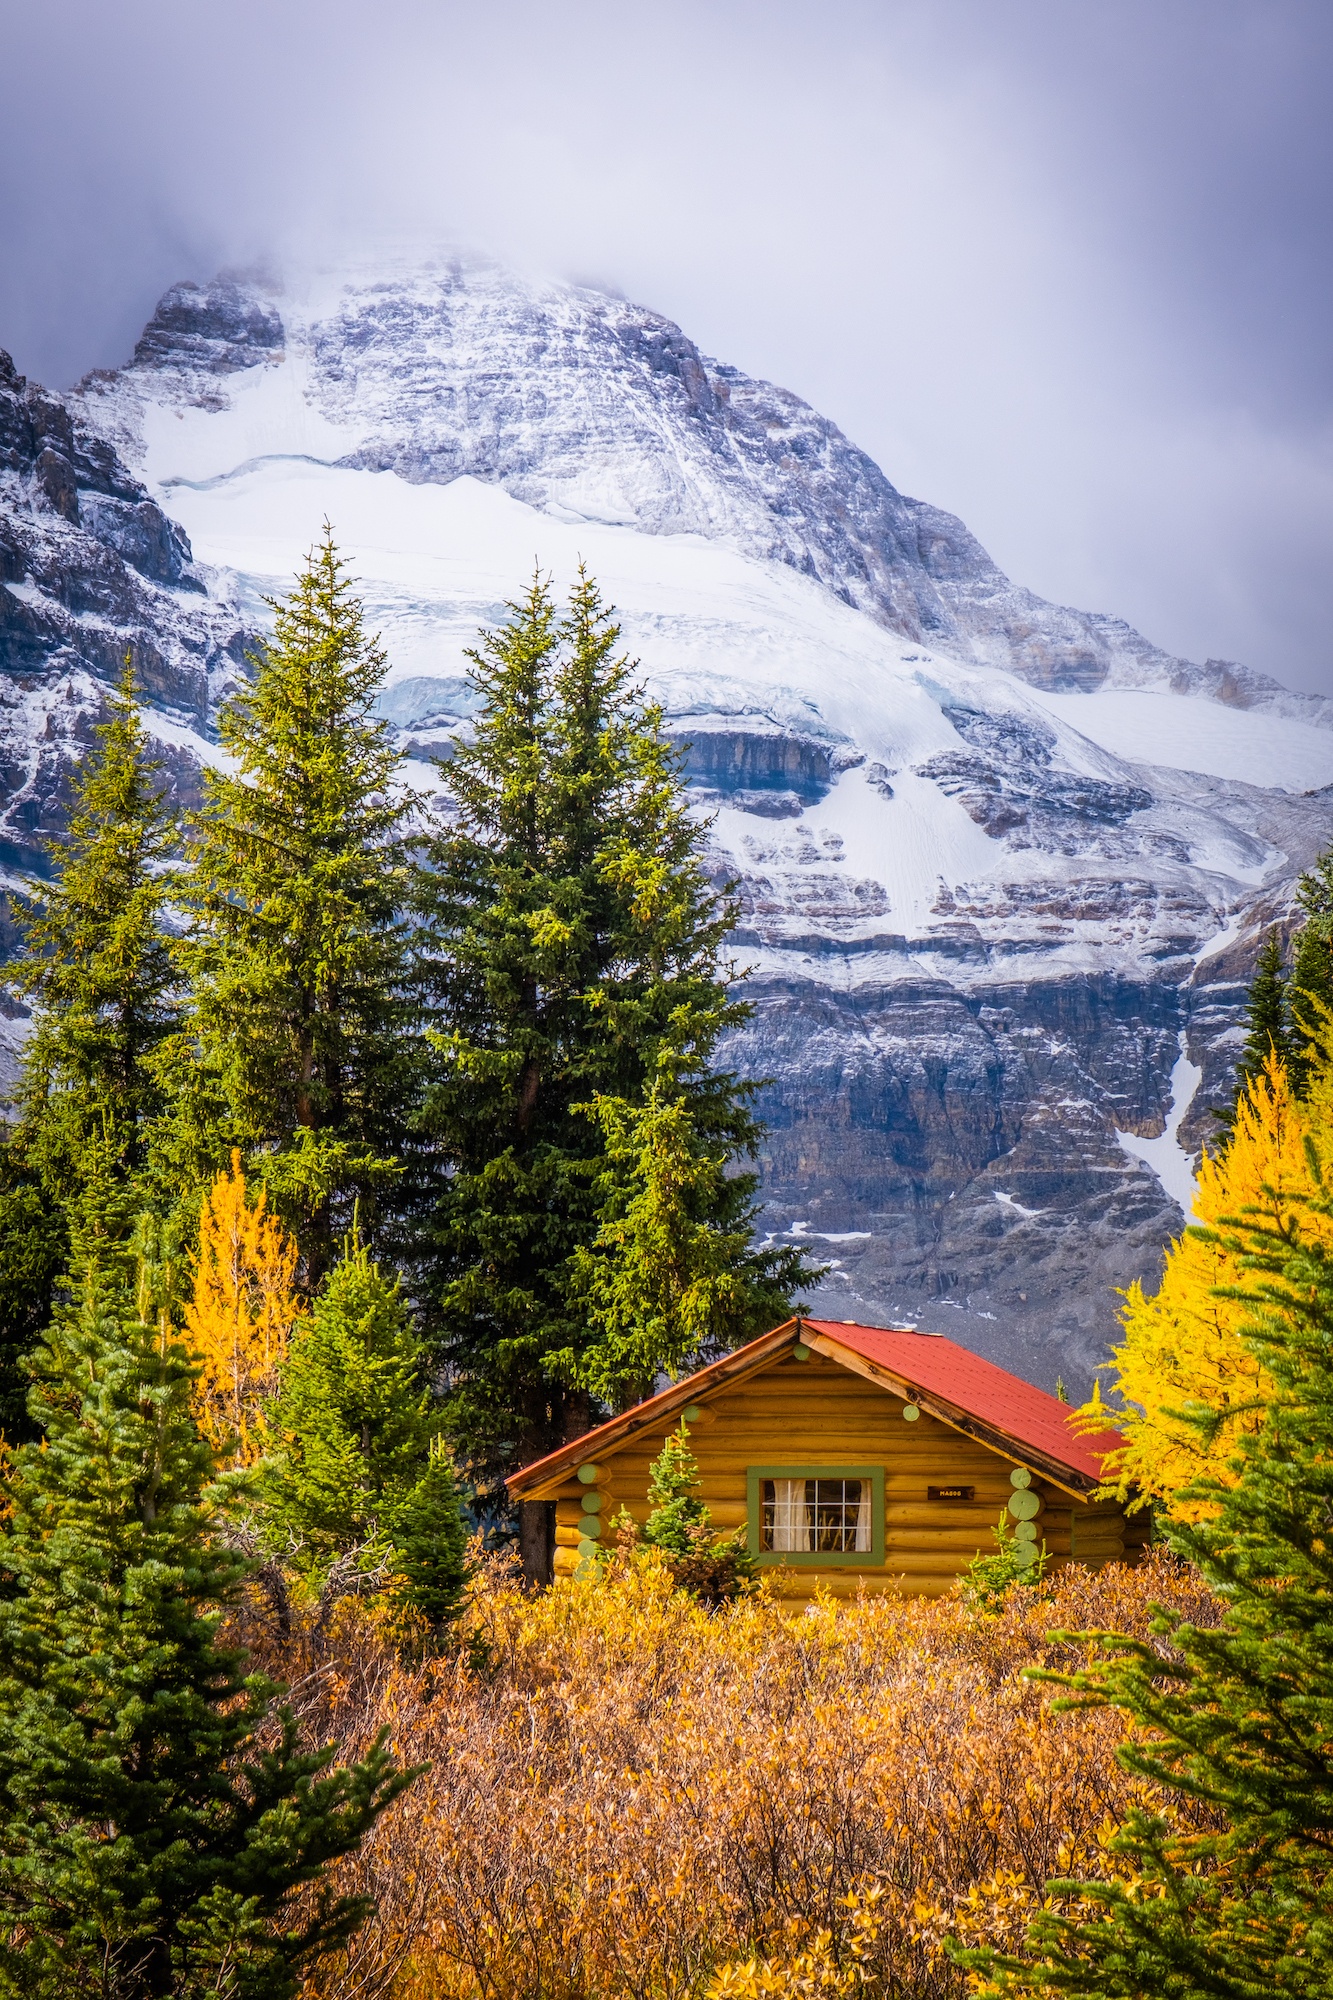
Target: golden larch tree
(240, 1317)
(1183, 1349)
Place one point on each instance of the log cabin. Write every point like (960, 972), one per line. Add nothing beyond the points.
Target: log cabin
(855, 1457)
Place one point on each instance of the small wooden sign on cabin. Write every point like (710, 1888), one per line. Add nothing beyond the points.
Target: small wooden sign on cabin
(854, 1456)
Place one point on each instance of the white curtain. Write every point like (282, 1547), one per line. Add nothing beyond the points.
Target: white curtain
(793, 1517)
(864, 1537)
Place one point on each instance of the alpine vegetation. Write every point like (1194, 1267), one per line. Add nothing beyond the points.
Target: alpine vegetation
(161, 1818)
(590, 1228)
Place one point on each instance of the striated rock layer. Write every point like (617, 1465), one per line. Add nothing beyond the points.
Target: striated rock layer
(1001, 864)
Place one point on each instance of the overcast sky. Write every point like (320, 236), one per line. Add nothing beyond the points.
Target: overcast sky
(1061, 266)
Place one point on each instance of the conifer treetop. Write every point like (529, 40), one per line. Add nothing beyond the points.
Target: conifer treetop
(316, 770)
(97, 960)
(577, 956)
(298, 888)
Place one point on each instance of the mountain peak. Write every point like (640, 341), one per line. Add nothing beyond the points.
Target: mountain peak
(586, 405)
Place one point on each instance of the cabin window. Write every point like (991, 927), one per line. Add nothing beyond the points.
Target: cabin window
(828, 1514)
(817, 1514)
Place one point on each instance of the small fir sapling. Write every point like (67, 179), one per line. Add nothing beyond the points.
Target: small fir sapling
(430, 1542)
(677, 1515)
(987, 1580)
(713, 1568)
(357, 1473)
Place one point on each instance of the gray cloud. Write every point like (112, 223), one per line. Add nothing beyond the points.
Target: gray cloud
(1063, 269)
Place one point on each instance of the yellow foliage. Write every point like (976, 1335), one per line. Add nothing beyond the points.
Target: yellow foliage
(1182, 1348)
(630, 1798)
(818, 1965)
(240, 1317)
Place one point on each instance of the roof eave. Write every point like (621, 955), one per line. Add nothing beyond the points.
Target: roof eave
(541, 1479)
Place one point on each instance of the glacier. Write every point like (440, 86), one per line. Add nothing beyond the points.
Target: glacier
(1002, 865)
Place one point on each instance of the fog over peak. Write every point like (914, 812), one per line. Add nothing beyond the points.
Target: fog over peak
(1063, 271)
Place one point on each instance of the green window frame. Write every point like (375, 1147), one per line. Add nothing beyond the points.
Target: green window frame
(872, 1558)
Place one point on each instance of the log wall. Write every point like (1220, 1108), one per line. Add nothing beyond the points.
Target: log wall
(816, 1412)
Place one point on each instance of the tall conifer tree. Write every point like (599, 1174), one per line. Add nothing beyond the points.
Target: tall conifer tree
(575, 935)
(98, 968)
(1268, 1026)
(1310, 1000)
(156, 1815)
(298, 1050)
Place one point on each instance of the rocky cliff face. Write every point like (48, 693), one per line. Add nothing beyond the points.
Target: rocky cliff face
(91, 569)
(1001, 864)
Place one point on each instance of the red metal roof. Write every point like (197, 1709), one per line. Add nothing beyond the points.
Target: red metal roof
(942, 1368)
(939, 1368)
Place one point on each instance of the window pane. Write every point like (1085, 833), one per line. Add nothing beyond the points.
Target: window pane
(816, 1516)
(865, 1532)
(837, 1506)
(785, 1516)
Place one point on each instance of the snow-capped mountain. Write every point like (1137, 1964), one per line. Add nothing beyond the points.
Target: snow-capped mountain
(1001, 862)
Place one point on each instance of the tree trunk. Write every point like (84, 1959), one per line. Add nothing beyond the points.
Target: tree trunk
(536, 1542)
(578, 1414)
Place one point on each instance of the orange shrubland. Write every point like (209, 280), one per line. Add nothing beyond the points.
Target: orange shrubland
(631, 1798)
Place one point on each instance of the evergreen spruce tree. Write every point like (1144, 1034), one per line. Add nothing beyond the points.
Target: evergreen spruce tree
(1269, 1029)
(97, 967)
(714, 1568)
(356, 1467)
(676, 1513)
(575, 934)
(299, 1049)
(430, 1542)
(156, 1815)
(1311, 996)
(1236, 1719)
(672, 1271)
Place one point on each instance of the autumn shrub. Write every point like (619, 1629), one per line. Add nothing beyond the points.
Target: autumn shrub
(241, 1312)
(638, 1796)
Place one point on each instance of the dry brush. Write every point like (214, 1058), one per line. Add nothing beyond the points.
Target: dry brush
(634, 1799)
